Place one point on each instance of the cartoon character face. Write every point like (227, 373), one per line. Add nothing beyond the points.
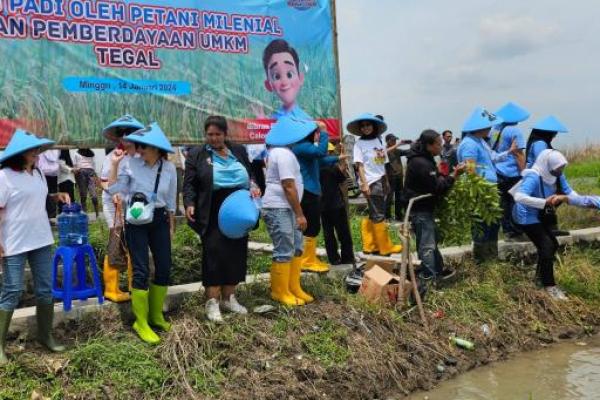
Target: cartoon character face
(284, 78)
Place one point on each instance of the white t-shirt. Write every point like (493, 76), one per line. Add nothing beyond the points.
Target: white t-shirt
(371, 153)
(24, 224)
(83, 162)
(281, 164)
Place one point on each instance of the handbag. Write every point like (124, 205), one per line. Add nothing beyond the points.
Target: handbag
(547, 215)
(140, 210)
(116, 249)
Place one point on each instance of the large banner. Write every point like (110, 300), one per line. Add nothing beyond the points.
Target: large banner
(70, 67)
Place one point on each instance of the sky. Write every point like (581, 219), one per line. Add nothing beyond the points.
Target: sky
(429, 63)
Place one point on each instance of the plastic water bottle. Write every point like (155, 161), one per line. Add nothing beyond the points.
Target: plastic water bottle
(72, 226)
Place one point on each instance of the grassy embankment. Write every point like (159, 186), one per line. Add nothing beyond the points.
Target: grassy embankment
(338, 345)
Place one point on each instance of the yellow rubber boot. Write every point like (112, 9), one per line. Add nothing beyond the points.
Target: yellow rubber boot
(310, 261)
(295, 287)
(368, 237)
(382, 236)
(280, 285)
(111, 284)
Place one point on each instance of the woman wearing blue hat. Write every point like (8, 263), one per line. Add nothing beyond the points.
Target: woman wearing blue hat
(214, 175)
(370, 155)
(25, 235)
(151, 184)
(282, 211)
(479, 158)
(541, 137)
(509, 169)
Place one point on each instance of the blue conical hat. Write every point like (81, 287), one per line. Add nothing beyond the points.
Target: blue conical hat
(22, 141)
(153, 136)
(289, 130)
(124, 122)
(512, 113)
(481, 119)
(238, 215)
(354, 125)
(550, 124)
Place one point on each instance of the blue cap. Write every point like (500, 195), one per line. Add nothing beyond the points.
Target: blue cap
(124, 122)
(354, 125)
(289, 130)
(238, 215)
(512, 113)
(481, 119)
(153, 136)
(550, 124)
(23, 141)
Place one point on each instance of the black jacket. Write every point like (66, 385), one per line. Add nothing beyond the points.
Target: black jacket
(422, 177)
(331, 194)
(198, 182)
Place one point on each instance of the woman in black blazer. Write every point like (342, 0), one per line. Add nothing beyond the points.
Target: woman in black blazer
(212, 172)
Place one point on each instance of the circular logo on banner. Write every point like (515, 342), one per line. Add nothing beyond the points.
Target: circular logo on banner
(302, 4)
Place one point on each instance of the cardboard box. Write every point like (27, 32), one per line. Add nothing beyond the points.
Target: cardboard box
(390, 266)
(379, 286)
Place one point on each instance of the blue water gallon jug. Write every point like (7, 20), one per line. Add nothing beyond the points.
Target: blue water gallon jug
(72, 226)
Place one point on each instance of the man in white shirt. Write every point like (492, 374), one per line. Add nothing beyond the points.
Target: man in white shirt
(281, 209)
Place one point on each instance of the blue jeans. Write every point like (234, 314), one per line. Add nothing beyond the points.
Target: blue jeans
(427, 237)
(287, 238)
(13, 277)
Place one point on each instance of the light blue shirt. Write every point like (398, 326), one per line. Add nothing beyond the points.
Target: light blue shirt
(535, 150)
(137, 176)
(509, 167)
(531, 185)
(474, 148)
(228, 172)
(295, 112)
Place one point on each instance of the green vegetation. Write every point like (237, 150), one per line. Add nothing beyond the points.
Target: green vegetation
(338, 344)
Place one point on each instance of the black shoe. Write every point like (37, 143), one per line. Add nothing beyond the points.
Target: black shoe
(558, 232)
(447, 274)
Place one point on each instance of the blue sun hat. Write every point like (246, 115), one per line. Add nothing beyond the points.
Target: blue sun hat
(550, 124)
(153, 136)
(111, 132)
(238, 215)
(21, 142)
(289, 130)
(481, 119)
(354, 125)
(512, 113)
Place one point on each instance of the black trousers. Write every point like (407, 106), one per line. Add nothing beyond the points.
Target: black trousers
(311, 207)
(335, 221)
(507, 203)
(52, 182)
(155, 236)
(395, 197)
(546, 244)
(66, 187)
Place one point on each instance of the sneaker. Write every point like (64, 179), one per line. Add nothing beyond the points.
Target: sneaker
(447, 273)
(233, 306)
(556, 293)
(213, 313)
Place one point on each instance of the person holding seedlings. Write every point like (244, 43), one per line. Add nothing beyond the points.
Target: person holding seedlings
(214, 172)
(334, 216)
(542, 188)
(281, 209)
(151, 184)
(370, 156)
(423, 177)
(479, 158)
(540, 139)
(509, 169)
(25, 235)
(85, 175)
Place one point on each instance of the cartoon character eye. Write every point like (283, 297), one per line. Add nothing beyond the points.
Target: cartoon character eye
(290, 74)
(275, 76)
